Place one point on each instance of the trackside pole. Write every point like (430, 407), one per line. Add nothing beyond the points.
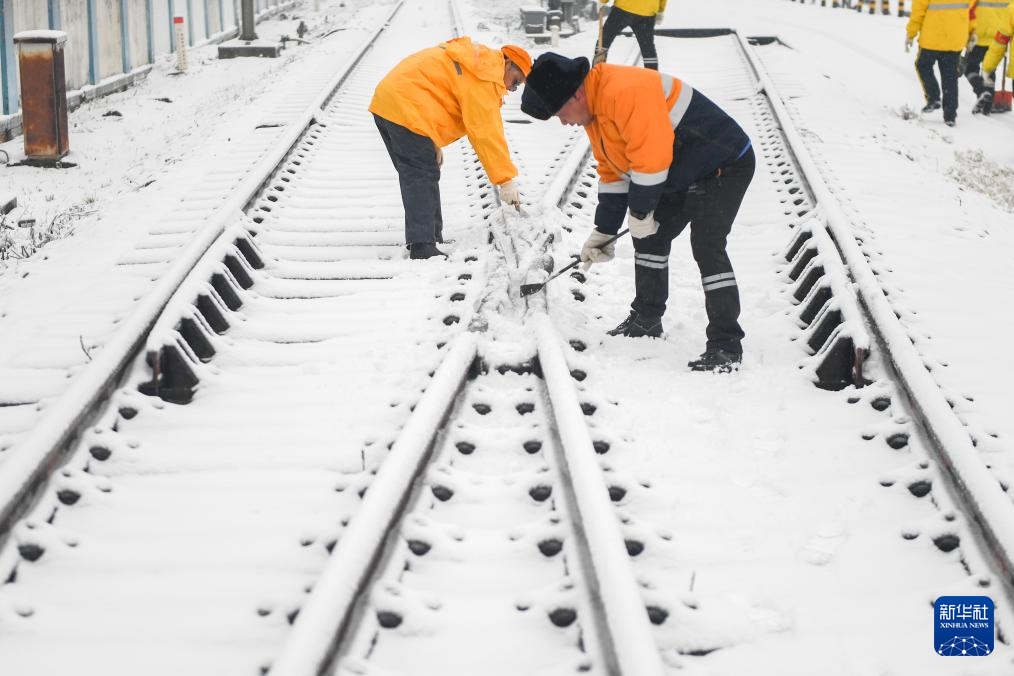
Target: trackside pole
(247, 31)
(181, 44)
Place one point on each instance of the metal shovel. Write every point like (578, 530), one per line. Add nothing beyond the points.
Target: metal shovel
(529, 289)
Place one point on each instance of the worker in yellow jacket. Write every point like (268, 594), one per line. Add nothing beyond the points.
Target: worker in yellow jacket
(998, 47)
(943, 27)
(989, 18)
(641, 16)
(433, 98)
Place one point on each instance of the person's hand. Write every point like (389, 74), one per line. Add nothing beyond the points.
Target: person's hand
(509, 195)
(642, 225)
(595, 249)
(989, 79)
(440, 157)
(600, 57)
(659, 18)
(972, 39)
(908, 44)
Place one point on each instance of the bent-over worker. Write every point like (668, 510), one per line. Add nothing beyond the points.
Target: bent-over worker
(433, 98)
(668, 157)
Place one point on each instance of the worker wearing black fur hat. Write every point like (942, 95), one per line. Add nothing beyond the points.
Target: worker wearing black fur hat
(667, 157)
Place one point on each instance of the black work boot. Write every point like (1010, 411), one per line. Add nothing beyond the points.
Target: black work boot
(423, 251)
(931, 106)
(984, 105)
(636, 326)
(719, 361)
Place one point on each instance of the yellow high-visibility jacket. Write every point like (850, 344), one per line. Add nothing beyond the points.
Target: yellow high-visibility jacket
(1001, 40)
(989, 16)
(943, 25)
(640, 7)
(448, 91)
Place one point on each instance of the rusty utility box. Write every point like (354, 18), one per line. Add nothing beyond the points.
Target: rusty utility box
(43, 94)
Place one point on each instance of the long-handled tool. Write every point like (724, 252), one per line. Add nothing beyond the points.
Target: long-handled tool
(529, 289)
(598, 45)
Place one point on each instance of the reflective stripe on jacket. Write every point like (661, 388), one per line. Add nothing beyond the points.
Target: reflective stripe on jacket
(942, 25)
(989, 17)
(641, 7)
(652, 133)
(448, 91)
(998, 45)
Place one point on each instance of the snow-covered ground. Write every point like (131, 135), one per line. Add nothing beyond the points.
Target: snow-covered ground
(780, 531)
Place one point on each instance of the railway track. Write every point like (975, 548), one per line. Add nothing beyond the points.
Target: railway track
(227, 469)
(713, 469)
(254, 496)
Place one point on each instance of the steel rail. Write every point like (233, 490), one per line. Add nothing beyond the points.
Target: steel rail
(978, 492)
(622, 616)
(324, 624)
(326, 618)
(32, 461)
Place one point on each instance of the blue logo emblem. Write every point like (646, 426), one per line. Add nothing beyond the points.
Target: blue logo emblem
(964, 626)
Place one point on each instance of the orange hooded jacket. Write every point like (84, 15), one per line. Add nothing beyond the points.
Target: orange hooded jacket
(652, 133)
(631, 134)
(448, 91)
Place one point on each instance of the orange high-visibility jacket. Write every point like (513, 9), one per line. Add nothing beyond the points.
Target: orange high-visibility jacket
(1000, 43)
(631, 133)
(652, 133)
(942, 25)
(448, 91)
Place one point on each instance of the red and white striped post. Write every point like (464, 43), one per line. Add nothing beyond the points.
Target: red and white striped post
(181, 44)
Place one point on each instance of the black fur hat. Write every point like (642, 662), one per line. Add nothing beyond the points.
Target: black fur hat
(553, 80)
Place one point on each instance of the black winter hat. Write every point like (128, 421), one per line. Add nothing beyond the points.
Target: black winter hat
(553, 80)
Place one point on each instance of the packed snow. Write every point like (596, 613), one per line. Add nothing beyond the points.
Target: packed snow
(782, 533)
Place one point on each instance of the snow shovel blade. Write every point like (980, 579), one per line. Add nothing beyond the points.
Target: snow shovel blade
(529, 289)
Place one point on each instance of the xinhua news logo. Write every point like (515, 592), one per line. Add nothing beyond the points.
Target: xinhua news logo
(964, 626)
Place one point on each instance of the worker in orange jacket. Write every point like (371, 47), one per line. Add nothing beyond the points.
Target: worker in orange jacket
(667, 157)
(433, 98)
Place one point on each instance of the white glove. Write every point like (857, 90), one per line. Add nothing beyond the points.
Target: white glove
(595, 249)
(509, 195)
(600, 57)
(659, 18)
(908, 44)
(440, 157)
(972, 39)
(642, 227)
(989, 79)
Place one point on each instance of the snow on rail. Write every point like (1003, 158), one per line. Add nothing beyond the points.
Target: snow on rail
(328, 609)
(982, 492)
(29, 462)
(622, 611)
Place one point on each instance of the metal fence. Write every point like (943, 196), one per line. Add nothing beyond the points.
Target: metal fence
(108, 38)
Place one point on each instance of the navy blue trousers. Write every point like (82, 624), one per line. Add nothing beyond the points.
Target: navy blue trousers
(709, 208)
(415, 158)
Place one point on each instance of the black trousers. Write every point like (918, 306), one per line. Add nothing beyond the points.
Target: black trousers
(710, 208)
(643, 28)
(947, 63)
(415, 158)
(973, 64)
